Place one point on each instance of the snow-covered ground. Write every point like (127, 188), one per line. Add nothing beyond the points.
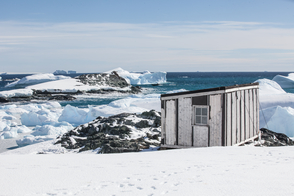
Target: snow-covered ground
(201, 171)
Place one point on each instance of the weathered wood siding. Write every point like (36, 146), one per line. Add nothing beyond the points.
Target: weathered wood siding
(170, 122)
(215, 120)
(200, 136)
(241, 116)
(185, 121)
(228, 118)
(163, 122)
(234, 118)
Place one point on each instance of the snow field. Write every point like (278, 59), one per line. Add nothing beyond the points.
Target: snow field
(200, 171)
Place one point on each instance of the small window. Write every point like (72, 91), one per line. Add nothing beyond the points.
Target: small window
(201, 115)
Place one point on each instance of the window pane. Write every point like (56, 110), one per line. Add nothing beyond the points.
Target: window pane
(198, 119)
(204, 120)
(204, 111)
(198, 111)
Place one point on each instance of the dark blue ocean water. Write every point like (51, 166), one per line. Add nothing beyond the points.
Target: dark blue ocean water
(175, 81)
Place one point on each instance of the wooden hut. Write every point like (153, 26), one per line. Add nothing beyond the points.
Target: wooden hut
(221, 116)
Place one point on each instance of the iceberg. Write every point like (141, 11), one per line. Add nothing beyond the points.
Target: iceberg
(285, 81)
(281, 121)
(35, 79)
(141, 78)
(60, 72)
(276, 108)
(271, 94)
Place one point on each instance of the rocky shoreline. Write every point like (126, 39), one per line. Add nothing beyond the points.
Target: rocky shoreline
(103, 79)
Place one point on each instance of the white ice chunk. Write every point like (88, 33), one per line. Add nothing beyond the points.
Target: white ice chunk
(30, 139)
(73, 115)
(57, 129)
(282, 121)
(271, 94)
(285, 81)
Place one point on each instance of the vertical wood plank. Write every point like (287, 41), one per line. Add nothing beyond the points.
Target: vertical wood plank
(200, 136)
(228, 120)
(163, 120)
(234, 117)
(171, 122)
(238, 117)
(242, 113)
(185, 122)
(257, 110)
(247, 123)
(251, 125)
(254, 111)
(215, 121)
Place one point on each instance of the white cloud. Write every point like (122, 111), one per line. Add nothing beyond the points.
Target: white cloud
(89, 47)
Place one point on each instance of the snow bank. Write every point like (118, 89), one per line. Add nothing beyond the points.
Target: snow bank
(16, 93)
(35, 79)
(285, 81)
(145, 78)
(30, 139)
(11, 132)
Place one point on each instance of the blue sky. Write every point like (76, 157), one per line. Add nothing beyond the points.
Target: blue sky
(162, 35)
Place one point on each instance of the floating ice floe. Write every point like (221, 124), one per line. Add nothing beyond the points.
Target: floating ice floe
(35, 79)
(141, 78)
(285, 81)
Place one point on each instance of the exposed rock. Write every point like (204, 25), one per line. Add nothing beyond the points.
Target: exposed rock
(3, 100)
(270, 138)
(103, 79)
(115, 134)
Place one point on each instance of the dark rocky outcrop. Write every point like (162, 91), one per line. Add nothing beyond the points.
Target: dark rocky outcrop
(115, 133)
(103, 79)
(271, 138)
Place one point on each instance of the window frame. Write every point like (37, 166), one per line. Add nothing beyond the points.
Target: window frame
(195, 115)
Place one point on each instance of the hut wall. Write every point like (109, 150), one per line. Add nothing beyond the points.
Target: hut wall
(241, 116)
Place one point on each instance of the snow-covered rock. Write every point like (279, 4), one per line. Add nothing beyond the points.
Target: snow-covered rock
(124, 132)
(35, 79)
(141, 78)
(285, 81)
